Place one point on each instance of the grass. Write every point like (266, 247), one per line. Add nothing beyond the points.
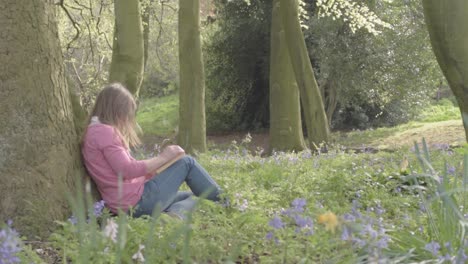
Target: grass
(440, 123)
(356, 208)
(159, 116)
(352, 204)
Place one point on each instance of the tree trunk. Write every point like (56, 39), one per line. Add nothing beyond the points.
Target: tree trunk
(39, 150)
(446, 21)
(145, 19)
(128, 49)
(192, 126)
(314, 112)
(329, 95)
(285, 109)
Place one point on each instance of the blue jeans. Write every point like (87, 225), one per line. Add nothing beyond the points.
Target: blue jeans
(163, 189)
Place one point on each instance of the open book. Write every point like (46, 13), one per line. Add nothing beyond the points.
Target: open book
(175, 157)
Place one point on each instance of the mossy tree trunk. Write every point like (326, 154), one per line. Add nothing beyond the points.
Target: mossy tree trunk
(127, 64)
(145, 19)
(192, 124)
(285, 112)
(447, 23)
(39, 150)
(314, 112)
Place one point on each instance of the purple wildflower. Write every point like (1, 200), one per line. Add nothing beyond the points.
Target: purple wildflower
(345, 234)
(448, 246)
(433, 247)
(298, 204)
(269, 236)
(98, 207)
(441, 146)
(276, 223)
(368, 229)
(288, 212)
(450, 169)
(9, 245)
(359, 242)
(303, 222)
(349, 217)
(382, 242)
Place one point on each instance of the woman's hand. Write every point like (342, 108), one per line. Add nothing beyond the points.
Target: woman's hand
(171, 152)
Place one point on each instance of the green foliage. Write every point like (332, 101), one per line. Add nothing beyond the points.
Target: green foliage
(364, 192)
(85, 32)
(441, 111)
(159, 116)
(442, 234)
(355, 14)
(371, 78)
(236, 52)
(162, 67)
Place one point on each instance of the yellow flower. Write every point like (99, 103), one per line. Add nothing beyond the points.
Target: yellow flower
(330, 221)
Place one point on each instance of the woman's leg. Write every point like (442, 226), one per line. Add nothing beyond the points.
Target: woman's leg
(162, 189)
(182, 204)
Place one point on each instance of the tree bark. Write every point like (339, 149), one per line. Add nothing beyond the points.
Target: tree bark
(39, 150)
(285, 109)
(314, 112)
(446, 22)
(127, 64)
(145, 19)
(329, 95)
(192, 123)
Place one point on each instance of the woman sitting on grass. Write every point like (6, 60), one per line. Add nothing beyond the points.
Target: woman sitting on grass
(106, 152)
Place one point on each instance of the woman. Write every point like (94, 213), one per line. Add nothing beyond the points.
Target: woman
(105, 148)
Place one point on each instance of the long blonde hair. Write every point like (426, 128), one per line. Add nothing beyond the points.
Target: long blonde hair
(115, 106)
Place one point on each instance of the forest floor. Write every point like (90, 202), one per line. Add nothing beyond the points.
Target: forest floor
(449, 132)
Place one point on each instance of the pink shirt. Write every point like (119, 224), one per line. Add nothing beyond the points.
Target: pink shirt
(105, 157)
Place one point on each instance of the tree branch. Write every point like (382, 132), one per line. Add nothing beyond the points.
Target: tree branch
(75, 25)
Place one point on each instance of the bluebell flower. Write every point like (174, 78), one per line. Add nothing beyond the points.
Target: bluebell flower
(359, 242)
(288, 212)
(446, 257)
(276, 223)
(349, 217)
(345, 234)
(382, 242)
(9, 245)
(298, 204)
(98, 207)
(450, 169)
(379, 210)
(303, 222)
(269, 236)
(448, 246)
(433, 247)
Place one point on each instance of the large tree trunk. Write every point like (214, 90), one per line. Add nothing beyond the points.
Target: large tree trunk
(285, 109)
(39, 150)
(447, 23)
(128, 49)
(314, 112)
(145, 19)
(192, 124)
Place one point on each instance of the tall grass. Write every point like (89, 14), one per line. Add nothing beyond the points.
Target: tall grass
(443, 200)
